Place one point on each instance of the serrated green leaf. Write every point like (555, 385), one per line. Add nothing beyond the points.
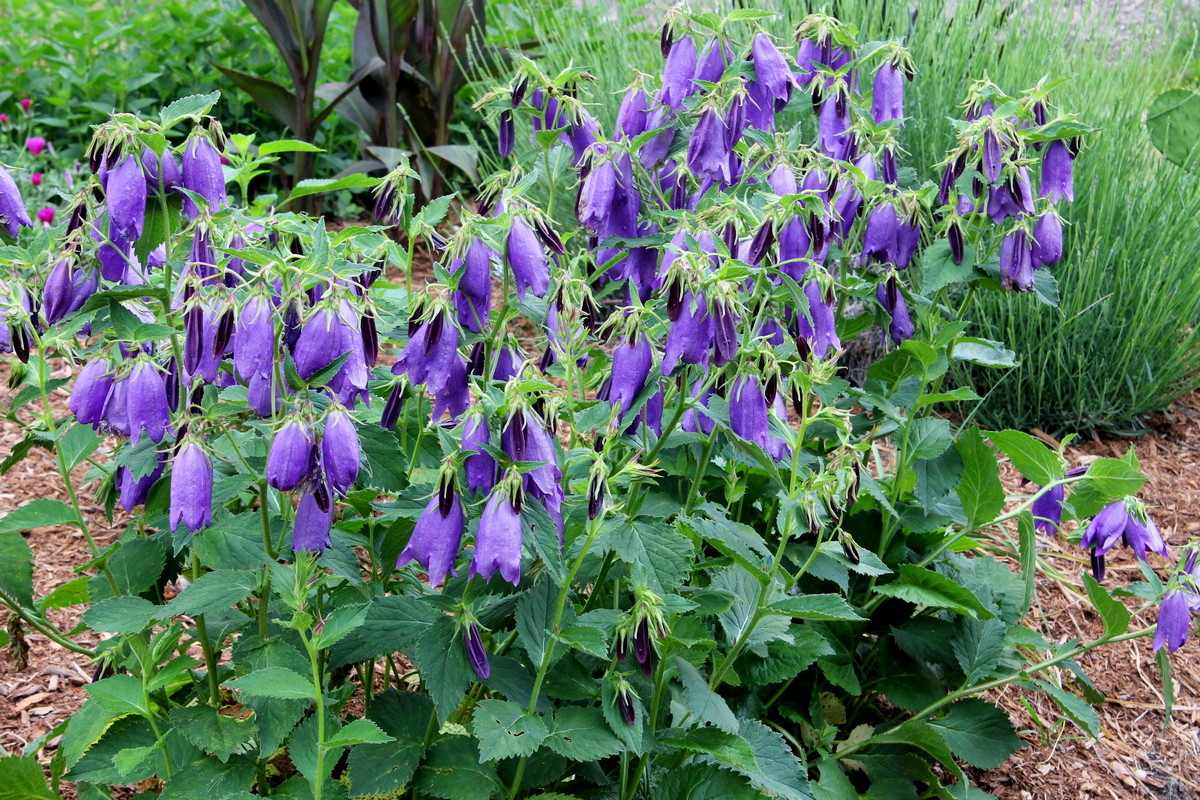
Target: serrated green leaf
(339, 624)
(535, 617)
(121, 615)
(979, 491)
(1114, 477)
(1027, 546)
(928, 437)
(135, 566)
(1032, 458)
(16, 578)
(37, 514)
(977, 646)
(778, 771)
(581, 734)
(280, 683)
(360, 731)
(194, 105)
(653, 546)
(978, 733)
(216, 734)
(214, 591)
(287, 146)
(727, 748)
(703, 703)
(1111, 610)
(928, 588)
(504, 730)
(442, 663)
(454, 771)
(118, 695)
(696, 781)
(586, 638)
(391, 624)
(71, 593)
(320, 185)
(79, 442)
(822, 607)
(21, 778)
(1073, 706)
(211, 780)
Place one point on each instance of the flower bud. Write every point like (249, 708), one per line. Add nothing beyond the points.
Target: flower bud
(476, 652)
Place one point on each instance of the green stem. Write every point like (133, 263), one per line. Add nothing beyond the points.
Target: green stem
(43, 627)
(264, 600)
(210, 655)
(319, 698)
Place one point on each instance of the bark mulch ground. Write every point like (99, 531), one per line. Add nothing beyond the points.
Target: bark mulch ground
(1136, 756)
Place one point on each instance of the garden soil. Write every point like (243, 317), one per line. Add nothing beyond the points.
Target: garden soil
(1136, 756)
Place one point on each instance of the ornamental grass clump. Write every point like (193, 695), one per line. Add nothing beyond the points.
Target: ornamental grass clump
(610, 522)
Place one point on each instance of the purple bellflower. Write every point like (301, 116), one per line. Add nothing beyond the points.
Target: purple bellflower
(1047, 510)
(436, 538)
(1057, 180)
(527, 260)
(478, 464)
(748, 416)
(654, 152)
(1016, 265)
(125, 194)
(771, 71)
(477, 654)
(66, 290)
(1047, 241)
(191, 487)
(167, 177)
(821, 332)
(892, 299)
(710, 64)
(1121, 521)
(311, 531)
(133, 491)
(254, 338)
(695, 421)
(596, 195)
(887, 95)
(631, 363)
(1175, 613)
(325, 337)
(292, 458)
(633, 116)
(708, 149)
(201, 173)
(147, 403)
(340, 450)
(91, 391)
(833, 129)
(473, 298)
(678, 73)
(498, 537)
(431, 358)
(992, 161)
(690, 337)
(12, 207)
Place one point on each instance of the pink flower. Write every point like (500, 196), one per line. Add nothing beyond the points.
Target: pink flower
(26, 103)
(36, 179)
(35, 145)
(46, 214)
(3, 119)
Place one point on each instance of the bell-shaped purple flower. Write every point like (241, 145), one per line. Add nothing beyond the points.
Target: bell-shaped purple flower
(325, 338)
(1047, 510)
(157, 179)
(477, 654)
(191, 487)
(473, 298)
(12, 207)
(992, 158)
(498, 539)
(708, 149)
(201, 173)
(1047, 241)
(91, 391)
(147, 403)
(431, 358)
(655, 151)
(479, 464)
(678, 73)
(596, 195)
(1117, 522)
(821, 332)
(633, 116)
(748, 415)
(879, 239)
(1016, 266)
(292, 458)
(908, 236)
(710, 64)
(66, 290)
(698, 421)
(771, 71)
(340, 450)
(254, 337)
(631, 362)
(1057, 180)
(892, 299)
(833, 129)
(527, 260)
(887, 95)
(1174, 621)
(311, 531)
(132, 492)
(125, 196)
(436, 538)
(690, 337)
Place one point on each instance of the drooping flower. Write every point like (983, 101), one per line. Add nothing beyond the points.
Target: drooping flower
(35, 145)
(431, 358)
(771, 71)
(91, 391)
(708, 149)
(125, 197)
(690, 338)
(163, 174)
(527, 260)
(1174, 621)
(66, 290)
(633, 116)
(505, 134)
(1016, 265)
(477, 654)
(1125, 520)
(678, 73)
(46, 215)
(887, 95)
(596, 192)
(201, 173)
(892, 299)
(478, 464)
(1057, 180)
(879, 239)
(132, 492)
(1047, 510)
(311, 531)
(254, 338)
(498, 537)
(147, 403)
(1047, 241)
(292, 458)
(631, 360)
(12, 208)
(436, 538)
(325, 337)
(473, 298)
(821, 332)
(992, 163)
(191, 487)
(340, 450)
(833, 129)
(748, 415)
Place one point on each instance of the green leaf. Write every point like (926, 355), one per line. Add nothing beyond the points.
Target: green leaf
(978, 733)
(287, 146)
(1173, 121)
(938, 477)
(216, 734)
(1030, 456)
(37, 514)
(1111, 610)
(928, 588)
(928, 437)
(727, 748)
(939, 269)
(212, 780)
(21, 778)
(538, 529)
(696, 781)
(1073, 706)
(275, 718)
(1027, 544)
(135, 565)
(71, 593)
(455, 771)
(979, 491)
(581, 734)
(441, 660)
(381, 769)
(535, 617)
(277, 682)
(360, 731)
(194, 105)
(16, 578)
(915, 733)
(505, 730)
(1114, 477)
(121, 615)
(79, 442)
(977, 646)
(460, 155)
(586, 638)
(703, 703)
(391, 624)
(213, 591)
(740, 542)
(339, 624)
(984, 352)
(321, 185)
(120, 694)
(651, 545)
(778, 771)
(823, 607)
(1168, 685)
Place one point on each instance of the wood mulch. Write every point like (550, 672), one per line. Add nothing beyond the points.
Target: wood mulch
(1137, 756)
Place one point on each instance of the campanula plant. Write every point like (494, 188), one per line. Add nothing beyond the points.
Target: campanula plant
(606, 521)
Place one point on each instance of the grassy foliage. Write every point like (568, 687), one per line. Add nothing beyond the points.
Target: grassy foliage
(1122, 344)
